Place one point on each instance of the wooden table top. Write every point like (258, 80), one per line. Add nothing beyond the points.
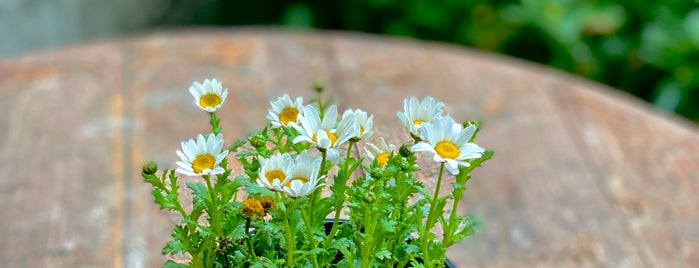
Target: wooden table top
(582, 176)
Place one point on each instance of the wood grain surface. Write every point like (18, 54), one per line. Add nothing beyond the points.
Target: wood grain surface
(583, 176)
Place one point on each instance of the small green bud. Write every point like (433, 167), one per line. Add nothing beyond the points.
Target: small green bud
(376, 173)
(150, 168)
(470, 123)
(258, 141)
(318, 86)
(476, 124)
(369, 198)
(405, 151)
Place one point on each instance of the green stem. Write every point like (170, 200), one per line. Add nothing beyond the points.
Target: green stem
(289, 242)
(339, 197)
(368, 231)
(449, 230)
(214, 123)
(431, 217)
(213, 209)
(280, 146)
(249, 240)
(314, 196)
(314, 244)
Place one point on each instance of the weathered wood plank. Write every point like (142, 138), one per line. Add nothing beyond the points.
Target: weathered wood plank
(647, 165)
(61, 164)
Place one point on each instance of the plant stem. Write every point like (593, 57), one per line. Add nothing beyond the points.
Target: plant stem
(368, 239)
(314, 196)
(339, 197)
(289, 241)
(249, 240)
(314, 244)
(214, 123)
(431, 218)
(213, 209)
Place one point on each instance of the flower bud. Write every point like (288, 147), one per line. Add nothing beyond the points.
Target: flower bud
(369, 198)
(470, 123)
(150, 168)
(318, 86)
(376, 173)
(405, 151)
(258, 141)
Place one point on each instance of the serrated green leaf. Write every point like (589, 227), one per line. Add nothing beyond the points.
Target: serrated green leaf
(383, 254)
(173, 247)
(199, 191)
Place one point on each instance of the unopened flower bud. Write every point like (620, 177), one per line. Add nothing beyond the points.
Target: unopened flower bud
(376, 173)
(405, 151)
(258, 141)
(318, 86)
(150, 168)
(470, 123)
(370, 198)
(475, 124)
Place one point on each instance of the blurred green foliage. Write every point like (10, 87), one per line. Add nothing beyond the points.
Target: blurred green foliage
(646, 47)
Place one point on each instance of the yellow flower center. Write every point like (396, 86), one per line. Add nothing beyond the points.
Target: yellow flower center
(418, 122)
(361, 131)
(447, 149)
(209, 100)
(202, 162)
(301, 179)
(382, 158)
(331, 136)
(275, 175)
(287, 115)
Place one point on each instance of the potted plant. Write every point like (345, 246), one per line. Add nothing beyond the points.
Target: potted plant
(307, 198)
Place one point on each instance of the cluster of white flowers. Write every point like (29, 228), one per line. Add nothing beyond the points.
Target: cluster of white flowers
(299, 175)
(295, 176)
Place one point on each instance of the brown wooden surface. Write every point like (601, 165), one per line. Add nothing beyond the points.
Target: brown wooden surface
(583, 175)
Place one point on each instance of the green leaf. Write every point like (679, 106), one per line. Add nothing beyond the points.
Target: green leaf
(200, 192)
(383, 254)
(237, 144)
(173, 247)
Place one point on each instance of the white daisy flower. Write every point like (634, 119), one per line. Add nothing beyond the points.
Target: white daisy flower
(381, 154)
(274, 171)
(449, 142)
(203, 156)
(304, 176)
(322, 133)
(364, 121)
(415, 114)
(208, 96)
(284, 111)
